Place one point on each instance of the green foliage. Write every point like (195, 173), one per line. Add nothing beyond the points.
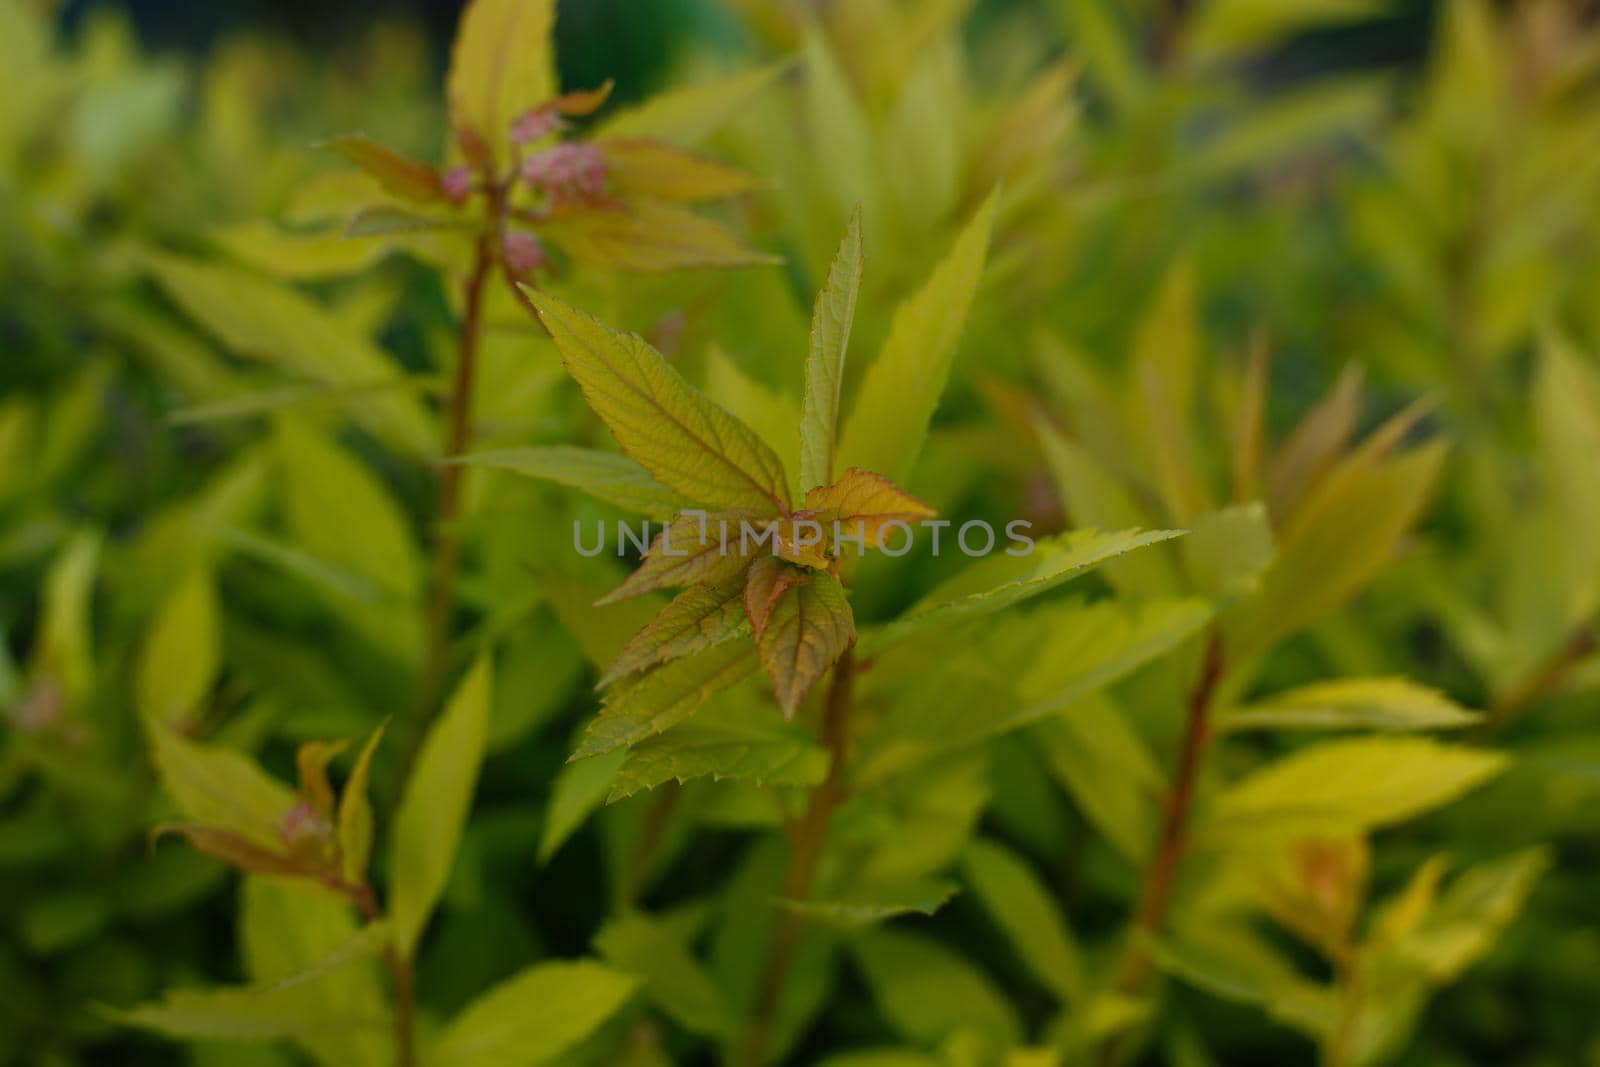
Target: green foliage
(1281, 352)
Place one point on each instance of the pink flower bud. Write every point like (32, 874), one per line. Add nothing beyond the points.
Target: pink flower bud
(523, 252)
(456, 183)
(303, 824)
(571, 170)
(534, 125)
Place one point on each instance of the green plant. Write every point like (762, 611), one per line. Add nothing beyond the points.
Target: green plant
(330, 735)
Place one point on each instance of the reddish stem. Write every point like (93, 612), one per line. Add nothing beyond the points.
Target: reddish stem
(1161, 873)
(808, 838)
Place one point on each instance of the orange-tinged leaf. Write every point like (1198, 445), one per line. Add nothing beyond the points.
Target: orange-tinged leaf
(766, 580)
(658, 170)
(697, 618)
(239, 851)
(692, 548)
(864, 502)
(807, 627)
(501, 65)
(685, 441)
(311, 761)
(804, 538)
(831, 321)
(648, 236)
(400, 175)
(578, 102)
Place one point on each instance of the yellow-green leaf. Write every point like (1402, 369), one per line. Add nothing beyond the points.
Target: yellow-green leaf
(405, 178)
(696, 619)
(532, 1017)
(997, 582)
(1026, 912)
(645, 947)
(218, 787)
(831, 319)
(433, 810)
(641, 707)
(684, 440)
(740, 745)
(180, 657)
(1353, 703)
(663, 172)
(1342, 787)
(902, 387)
(689, 115)
(266, 321)
(649, 236)
(500, 66)
(355, 814)
(606, 476)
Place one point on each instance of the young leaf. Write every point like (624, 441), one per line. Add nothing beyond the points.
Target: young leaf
(863, 503)
(500, 66)
(533, 1017)
(902, 387)
(180, 658)
(831, 320)
(1027, 914)
(355, 814)
(1345, 787)
(640, 707)
(688, 443)
(607, 476)
(806, 628)
(1355, 703)
(696, 619)
(433, 810)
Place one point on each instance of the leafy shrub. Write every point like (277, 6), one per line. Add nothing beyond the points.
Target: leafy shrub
(331, 739)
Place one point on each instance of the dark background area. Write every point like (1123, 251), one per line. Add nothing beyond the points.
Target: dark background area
(634, 40)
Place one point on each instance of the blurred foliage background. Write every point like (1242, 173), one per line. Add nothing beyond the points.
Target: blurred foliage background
(1411, 186)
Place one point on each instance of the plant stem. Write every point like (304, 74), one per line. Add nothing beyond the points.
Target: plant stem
(1161, 872)
(447, 517)
(401, 977)
(808, 838)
